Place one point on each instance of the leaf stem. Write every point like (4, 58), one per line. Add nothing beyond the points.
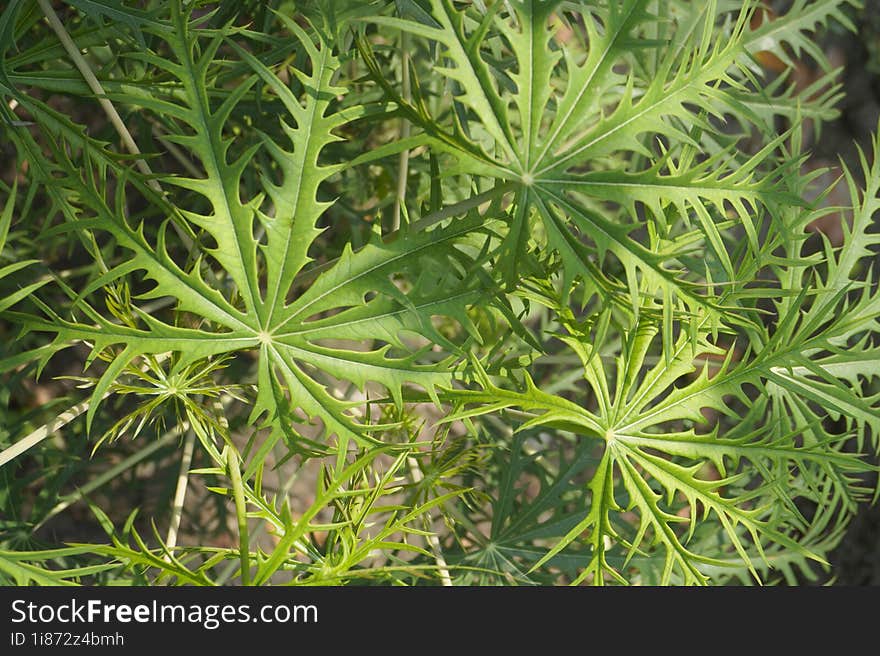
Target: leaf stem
(44, 431)
(282, 493)
(84, 69)
(405, 128)
(95, 85)
(232, 464)
(180, 490)
(433, 541)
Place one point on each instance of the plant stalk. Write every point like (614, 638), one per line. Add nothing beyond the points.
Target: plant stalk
(180, 490)
(91, 80)
(232, 464)
(405, 128)
(433, 541)
(115, 119)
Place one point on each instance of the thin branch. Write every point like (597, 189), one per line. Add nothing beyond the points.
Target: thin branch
(50, 427)
(433, 541)
(405, 128)
(95, 85)
(45, 431)
(180, 490)
(84, 69)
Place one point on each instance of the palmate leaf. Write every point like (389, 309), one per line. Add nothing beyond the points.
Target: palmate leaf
(573, 134)
(637, 421)
(560, 127)
(256, 303)
(657, 459)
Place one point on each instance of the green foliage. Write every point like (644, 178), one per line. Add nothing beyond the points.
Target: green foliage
(504, 290)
